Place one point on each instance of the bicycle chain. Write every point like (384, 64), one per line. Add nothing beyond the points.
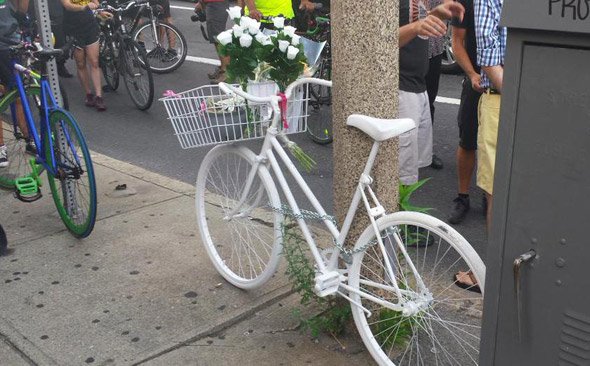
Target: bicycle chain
(346, 254)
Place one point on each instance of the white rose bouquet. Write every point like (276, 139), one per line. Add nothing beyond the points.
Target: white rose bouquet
(286, 58)
(242, 43)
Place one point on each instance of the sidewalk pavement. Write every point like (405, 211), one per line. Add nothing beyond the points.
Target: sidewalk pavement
(140, 289)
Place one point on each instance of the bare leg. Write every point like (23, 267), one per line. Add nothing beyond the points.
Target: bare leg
(80, 57)
(92, 61)
(465, 168)
(170, 35)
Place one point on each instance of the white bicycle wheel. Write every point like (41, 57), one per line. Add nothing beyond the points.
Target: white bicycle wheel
(242, 240)
(445, 328)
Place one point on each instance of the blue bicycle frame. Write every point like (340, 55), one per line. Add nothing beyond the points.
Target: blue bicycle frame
(46, 108)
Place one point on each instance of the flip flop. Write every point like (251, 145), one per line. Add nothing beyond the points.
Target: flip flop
(470, 287)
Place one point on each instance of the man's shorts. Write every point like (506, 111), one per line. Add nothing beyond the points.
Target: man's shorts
(415, 146)
(216, 13)
(467, 116)
(165, 4)
(487, 138)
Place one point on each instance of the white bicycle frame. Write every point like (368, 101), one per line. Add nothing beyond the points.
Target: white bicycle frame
(329, 273)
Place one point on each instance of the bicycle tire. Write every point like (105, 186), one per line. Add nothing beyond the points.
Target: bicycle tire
(320, 131)
(15, 141)
(158, 55)
(108, 64)
(73, 187)
(254, 233)
(138, 78)
(421, 337)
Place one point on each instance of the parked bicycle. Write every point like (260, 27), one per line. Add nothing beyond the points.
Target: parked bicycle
(398, 276)
(319, 30)
(122, 57)
(40, 137)
(164, 43)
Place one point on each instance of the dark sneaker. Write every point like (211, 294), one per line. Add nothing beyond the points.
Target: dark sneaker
(214, 74)
(30, 147)
(460, 210)
(90, 100)
(99, 104)
(436, 162)
(3, 156)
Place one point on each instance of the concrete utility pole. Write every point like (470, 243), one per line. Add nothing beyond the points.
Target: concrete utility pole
(365, 80)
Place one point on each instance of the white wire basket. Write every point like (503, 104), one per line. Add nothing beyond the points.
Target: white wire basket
(207, 116)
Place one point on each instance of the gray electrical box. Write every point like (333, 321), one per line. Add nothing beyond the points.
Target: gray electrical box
(537, 309)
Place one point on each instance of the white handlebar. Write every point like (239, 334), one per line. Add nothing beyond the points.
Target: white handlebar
(230, 89)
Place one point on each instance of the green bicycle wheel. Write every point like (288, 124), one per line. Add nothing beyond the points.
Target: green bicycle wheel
(16, 138)
(73, 186)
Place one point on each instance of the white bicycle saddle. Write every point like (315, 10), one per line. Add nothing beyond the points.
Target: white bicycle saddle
(381, 129)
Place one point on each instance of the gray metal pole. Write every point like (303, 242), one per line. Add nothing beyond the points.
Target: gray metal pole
(44, 23)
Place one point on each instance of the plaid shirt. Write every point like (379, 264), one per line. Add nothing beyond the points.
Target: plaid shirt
(491, 38)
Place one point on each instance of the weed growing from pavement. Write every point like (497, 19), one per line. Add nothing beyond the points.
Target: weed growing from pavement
(334, 312)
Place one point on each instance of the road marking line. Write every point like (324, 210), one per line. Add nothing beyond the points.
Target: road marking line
(203, 60)
(446, 100)
(211, 61)
(181, 7)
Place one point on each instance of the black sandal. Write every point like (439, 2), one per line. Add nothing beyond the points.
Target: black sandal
(473, 286)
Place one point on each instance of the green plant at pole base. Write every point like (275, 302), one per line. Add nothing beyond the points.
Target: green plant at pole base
(334, 314)
(405, 193)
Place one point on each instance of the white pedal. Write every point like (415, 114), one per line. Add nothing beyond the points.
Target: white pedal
(327, 283)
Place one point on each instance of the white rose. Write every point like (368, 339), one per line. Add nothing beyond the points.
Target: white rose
(245, 40)
(289, 30)
(253, 27)
(278, 22)
(244, 22)
(292, 52)
(235, 12)
(238, 31)
(266, 41)
(283, 45)
(224, 37)
(295, 40)
(261, 37)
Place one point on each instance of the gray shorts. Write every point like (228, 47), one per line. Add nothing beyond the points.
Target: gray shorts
(216, 19)
(415, 146)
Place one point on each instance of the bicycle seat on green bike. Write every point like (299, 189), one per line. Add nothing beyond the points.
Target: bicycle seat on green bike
(381, 129)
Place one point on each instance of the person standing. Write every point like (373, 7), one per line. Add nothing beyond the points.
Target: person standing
(491, 50)
(416, 25)
(273, 8)
(216, 17)
(79, 22)
(56, 14)
(435, 54)
(465, 49)
(8, 30)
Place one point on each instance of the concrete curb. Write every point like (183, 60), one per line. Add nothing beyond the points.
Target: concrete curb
(145, 175)
(22, 345)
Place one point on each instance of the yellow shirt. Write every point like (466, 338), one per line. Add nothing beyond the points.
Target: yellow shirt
(80, 2)
(273, 8)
